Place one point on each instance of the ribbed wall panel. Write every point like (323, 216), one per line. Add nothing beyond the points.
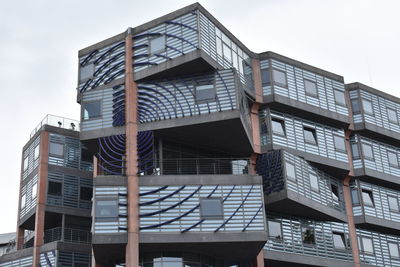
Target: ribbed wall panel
(27, 191)
(48, 259)
(32, 161)
(23, 262)
(73, 259)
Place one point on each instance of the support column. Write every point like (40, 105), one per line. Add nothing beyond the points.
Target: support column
(132, 248)
(41, 196)
(259, 261)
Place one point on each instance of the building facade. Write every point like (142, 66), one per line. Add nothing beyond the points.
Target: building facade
(195, 151)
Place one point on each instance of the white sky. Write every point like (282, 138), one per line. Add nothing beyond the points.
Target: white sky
(39, 43)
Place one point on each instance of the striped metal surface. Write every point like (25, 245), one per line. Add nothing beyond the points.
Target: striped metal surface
(68, 259)
(48, 259)
(177, 208)
(23, 262)
(291, 241)
(30, 202)
(32, 161)
(381, 256)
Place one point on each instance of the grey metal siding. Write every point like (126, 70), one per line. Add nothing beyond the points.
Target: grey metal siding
(66, 259)
(48, 258)
(23, 262)
(32, 161)
(30, 203)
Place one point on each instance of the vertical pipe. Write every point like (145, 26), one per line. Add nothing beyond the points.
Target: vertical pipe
(132, 248)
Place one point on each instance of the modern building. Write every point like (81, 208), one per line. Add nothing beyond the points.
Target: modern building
(7, 243)
(201, 152)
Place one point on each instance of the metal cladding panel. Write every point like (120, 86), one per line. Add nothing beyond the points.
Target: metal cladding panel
(32, 161)
(48, 259)
(101, 66)
(291, 240)
(106, 118)
(169, 99)
(30, 202)
(73, 259)
(381, 255)
(294, 137)
(177, 208)
(357, 118)
(111, 225)
(381, 207)
(267, 88)
(23, 262)
(302, 185)
(181, 38)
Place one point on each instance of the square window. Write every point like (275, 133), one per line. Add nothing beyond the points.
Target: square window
(355, 106)
(157, 44)
(367, 107)
(36, 152)
(392, 116)
(278, 126)
(227, 52)
(56, 149)
(367, 197)
(265, 77)
(274, 229)
(339, 143)
(23, 201)
(367, 245)
(339, 240)
(86, 72)
(211, 208)
(393, 250)
(308, 235)
(55, 188)
(85, 193)
(311, 88)
(314, 182)
(26, 162)
(393, 159)
(335, 192)
(106, 208)
(205, 92)
(310, 136)
(339, 97)
(92, 110)
(279, 77)
(290, 171)
(34, 191)
(393, 203)
(367, 151)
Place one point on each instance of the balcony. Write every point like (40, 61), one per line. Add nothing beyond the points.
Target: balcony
(56, 121)
(67, 235)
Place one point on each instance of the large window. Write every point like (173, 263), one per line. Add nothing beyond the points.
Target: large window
(367, 107)
(339, 97)
(392, 116)
(311, 88)
(56, 149)
(211, 208)
(227, 53)
(339, 143)
(92, 110)
(366, 245)
(55, 188)
(335, 192)
(393, 250)
(274, 229)
(265, 77)
(393, 203)
(278, 126)
(308, 235)
(85, 193)
(314, 182)
(367, 151)
(279, 78)
(355, 106)
(339, 240)
(310, 136)
(355, 151)
(157, 44)
(367, 197)
(106, 208)
(34, 191)
(393, 159)
(205, 92)
(290, 171)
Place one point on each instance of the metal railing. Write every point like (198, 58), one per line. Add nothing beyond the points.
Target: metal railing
(68, 235)
(196, 166)
(57, 121)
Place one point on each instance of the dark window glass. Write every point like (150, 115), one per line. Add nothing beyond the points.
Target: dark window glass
(354, 197)
(205, 92)
(308, 235)
(339, 97)
(355, 106)
(339, 240)
(367, 107)
(56, 149)
(393, 160)
(367, 197)
(393, 203)
(367, 151)
(279, 77)
(275, 229)
(55, 188)
(157, 44)
(211, 208)
(339, 143)
(106, 208)
(311, 88)
(392, 115)
(278, 126)
(393, 250)
(86, 193)
(335, 192)
(355, 151)
(314, 182)
(265, 77)
(367, 245)
(310, 136)
(290, 171)
(91, 110)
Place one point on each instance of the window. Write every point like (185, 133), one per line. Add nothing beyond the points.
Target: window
(355, 106)
(290, 171)
(392, 116)
(211, 208)
(227, 52)
(335, 192)
(279, 77)
(308, 235)
(314, 182)
(205, 92)
(367, 197)
(367, 151)
(36, 152)
(310, 136)
(55, 188)
(367, 245)
(278, 126)
(26, 162)
(34, 191)
(91, 110)
(355, 151)
(339, 240)
(339, 143)
(393, 159)
(85, 193)
(265, 77)
(56, 149)
(393, 250)
(106, 208)
(157, 44)
(274, 229)
(311, 88)
(339, 97)
(23, 201)
(393, 203)
(86, 72)
(355, 199)
(367, 107)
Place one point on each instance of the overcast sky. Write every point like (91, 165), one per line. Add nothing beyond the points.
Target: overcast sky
(39, 43)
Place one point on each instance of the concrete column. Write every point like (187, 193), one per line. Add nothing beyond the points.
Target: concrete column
(19, 239)
(132, 248)
(41, 196)
(259, 260)
(257, 80)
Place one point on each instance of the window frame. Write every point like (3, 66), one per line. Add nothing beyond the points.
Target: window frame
(268, 74)
(152, 53)
(211, 217)
(313, 132)
(365, 111)
(358, 203)
(398, 250)
(92, 118)
(288, 177)
(355, 145)
(280, 227)
(200, 84)
(311, 184)
(23, 201)
(278, 83)
(90, 68)
(397, 159)
(308, 227)
(344, 143)
(282, 124)
(395, 113)
(57, 155)
(34, 190)
(26, 163)
(36, 149)
(398, 203)
(53, 194)
(344, 239)
(308, 93)
(333, 194)
(106, 217)
(363, 151)
(361, 242)
(371, 196)
(354, 101)
(344, 97)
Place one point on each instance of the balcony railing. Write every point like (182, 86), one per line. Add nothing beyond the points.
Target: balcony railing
(58, 122)
(68, 235)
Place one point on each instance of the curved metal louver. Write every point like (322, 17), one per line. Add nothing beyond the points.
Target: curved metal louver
(112, 154)
(118, 106)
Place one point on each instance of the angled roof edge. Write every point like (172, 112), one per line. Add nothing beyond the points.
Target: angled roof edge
(358, 85)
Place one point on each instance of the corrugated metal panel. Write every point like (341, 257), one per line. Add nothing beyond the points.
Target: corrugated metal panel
(32, 161)
(23, 262)
(27, 191)
(267, 89)
(68, 259)
(48, 259)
